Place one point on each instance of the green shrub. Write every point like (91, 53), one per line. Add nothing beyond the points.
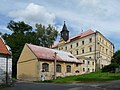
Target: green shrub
(110, 68)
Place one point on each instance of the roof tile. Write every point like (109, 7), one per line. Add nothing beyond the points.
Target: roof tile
(81, 35)
(3, 48)
(49, 54)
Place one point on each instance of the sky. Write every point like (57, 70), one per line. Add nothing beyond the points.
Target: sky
(100, 15)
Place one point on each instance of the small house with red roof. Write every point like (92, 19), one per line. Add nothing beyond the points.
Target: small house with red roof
(40, 63)
(5, 62)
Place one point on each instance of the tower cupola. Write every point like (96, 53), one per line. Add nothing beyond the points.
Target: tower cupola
(64, 33)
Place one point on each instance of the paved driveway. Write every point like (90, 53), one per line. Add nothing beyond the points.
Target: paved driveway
(114, 85)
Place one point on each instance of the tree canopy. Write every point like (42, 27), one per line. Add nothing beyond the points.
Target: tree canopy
(23, 33)
(115, 63)
(19, 27)
(116, 57)
(46, 35)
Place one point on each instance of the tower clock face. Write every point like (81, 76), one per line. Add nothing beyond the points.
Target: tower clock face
(66, 34)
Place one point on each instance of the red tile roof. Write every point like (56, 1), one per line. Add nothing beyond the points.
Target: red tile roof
(49, 54)
(3, 48)
(81, 35)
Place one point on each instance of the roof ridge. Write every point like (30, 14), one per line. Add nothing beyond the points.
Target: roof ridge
(80, 35)
(49, 54)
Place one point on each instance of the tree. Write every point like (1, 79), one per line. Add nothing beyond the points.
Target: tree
(46, 35)
(19, 27)
(116, 57)
(115, 63)
(22, 33)
(110, 68)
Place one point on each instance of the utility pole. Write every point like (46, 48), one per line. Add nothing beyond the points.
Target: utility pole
(55, 65)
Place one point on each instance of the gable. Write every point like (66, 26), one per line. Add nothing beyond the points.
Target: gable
(3, 48)
(26, 55)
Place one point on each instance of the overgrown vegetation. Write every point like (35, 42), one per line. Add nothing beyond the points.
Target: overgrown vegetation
(110, 68)
(115, 63)
(116, 57)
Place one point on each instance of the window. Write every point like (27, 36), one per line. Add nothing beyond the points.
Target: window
(88, 62)
(90, 57)
(82, 50)
(76, 71)
(83, 61)
(71, 46)
(90, 49)
(102, 65)
(76, 44)
(83, 69)
(66, 48)
(106, 51)
(70, 56)
(88, 69)
(92, 70)
(77, 64)
(68, 68)
(90, 40)
(100, 39)
(82, 42)
(92, 63)
(45, 67)
(58, 68)
(77, 52)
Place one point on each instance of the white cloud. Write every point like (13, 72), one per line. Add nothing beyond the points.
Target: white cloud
(33, 14)
(101, 15)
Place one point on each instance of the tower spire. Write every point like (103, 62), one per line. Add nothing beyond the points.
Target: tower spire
(65, 32)
(64, 27)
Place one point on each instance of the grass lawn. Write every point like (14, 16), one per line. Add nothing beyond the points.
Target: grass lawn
(91, 77)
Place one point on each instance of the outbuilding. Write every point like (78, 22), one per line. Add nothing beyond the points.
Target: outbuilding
(41, 63)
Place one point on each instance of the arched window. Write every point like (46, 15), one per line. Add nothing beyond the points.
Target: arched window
(68, 68)
(58, 68)
(76, 71)
(45, 67)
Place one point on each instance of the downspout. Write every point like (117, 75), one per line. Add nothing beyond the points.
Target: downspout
(38, 69)
(55, 65)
